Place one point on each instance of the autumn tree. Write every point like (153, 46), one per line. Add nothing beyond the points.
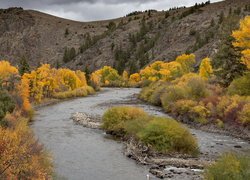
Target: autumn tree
(8, 74)
(108, 75)
(24, 92)
(227, 61)
(187, 62)
(6, 103)
(242, 40)
(125, 76)
(134, 79)
(21, 156)
(205, 69)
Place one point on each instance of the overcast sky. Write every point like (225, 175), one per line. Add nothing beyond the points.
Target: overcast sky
(89, 10)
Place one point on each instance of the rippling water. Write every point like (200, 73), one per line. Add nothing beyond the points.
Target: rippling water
(85, 154)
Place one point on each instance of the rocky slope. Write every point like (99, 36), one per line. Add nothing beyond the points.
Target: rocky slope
(133, 41)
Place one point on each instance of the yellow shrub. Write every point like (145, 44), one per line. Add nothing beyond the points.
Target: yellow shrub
(183, 107)
(200, 113)
(114, 119)
(244, 115)
(171, 95)
(229, 166)
(80, 92)
(20, 152)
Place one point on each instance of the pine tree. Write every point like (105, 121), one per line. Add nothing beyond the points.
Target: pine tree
(23, 66)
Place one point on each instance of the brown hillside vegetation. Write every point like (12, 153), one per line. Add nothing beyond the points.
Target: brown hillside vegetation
(131, 43)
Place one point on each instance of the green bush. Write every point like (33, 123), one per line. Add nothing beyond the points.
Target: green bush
(6, 103)
(171, 95)
(153, 92)
(183, 107)
(197, 88)
(114, 119)
(162, 134)
(229, 167)
(155, 97)
(199, 114)
(135, 126)
(244, 114)
(145, 93)
(240, 86)
(167, 135)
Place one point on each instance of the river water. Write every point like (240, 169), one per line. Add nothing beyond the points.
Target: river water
(86, 154)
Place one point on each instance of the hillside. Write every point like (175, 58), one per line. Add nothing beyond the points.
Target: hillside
(129, 42)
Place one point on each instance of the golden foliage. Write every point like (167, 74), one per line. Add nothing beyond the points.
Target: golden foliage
(21, 157)
(6, 70)
(45, 81)
(242, 37)
(106, 76)
(134, 78)
(187, 62)
(24, 91)
(205, 69)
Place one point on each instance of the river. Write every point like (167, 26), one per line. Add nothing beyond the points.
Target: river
(87, 154)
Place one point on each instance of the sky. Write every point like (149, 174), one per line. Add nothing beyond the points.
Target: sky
(91, 10)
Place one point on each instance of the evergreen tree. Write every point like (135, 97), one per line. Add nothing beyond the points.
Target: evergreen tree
(87, 73)
(226, 63)
(6, 103)
(66, 32)
(23, 66)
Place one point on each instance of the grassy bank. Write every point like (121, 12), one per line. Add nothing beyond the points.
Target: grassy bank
(160, 134)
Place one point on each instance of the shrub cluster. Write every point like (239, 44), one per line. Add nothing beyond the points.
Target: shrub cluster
(79, 92)
(161, 134)
(229, 166)
(194, 98)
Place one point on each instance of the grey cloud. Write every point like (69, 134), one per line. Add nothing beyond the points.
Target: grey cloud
(88, 10)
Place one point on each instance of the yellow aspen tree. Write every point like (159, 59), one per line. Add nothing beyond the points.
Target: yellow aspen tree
(187, 62)
(24, 91)
(135, 78)
(242, 40)
(125, 76)
(205, 69)
(6, 70)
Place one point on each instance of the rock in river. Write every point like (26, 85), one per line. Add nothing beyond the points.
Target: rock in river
(85, 120)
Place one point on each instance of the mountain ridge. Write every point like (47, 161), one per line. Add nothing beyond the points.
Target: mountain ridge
(121, 42)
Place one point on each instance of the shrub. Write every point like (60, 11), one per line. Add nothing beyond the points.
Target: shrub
(196, 87)
(155, 98)
(22, 157)
(145, 93)
(114, 119)
(232, 108)
(244, 115)
(240, 86)
(183, 107)
(167, 135)
(135, 126)
(228, 167)
(200, 113)
(80, 92)
(191, 109)
(219, 123)
(6, 103)
(153, 92)
(171, 95)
